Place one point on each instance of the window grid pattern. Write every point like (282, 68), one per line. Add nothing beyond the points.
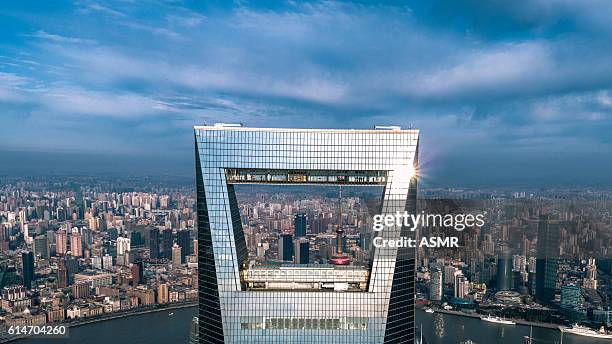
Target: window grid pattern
(382, 314)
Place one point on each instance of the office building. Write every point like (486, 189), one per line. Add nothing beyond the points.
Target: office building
(167, 241)
(371, 304)
(137, 273)
(285, 247)
(41, 247)
(504, 271)
(162, 293)
(299, 223)
(547, 259)
(302, 251)
(27, 261)
(436, 290)
(76, 243)
(176, 256)
(154, 243)
(183, 239)
(124, 245)
(61, 242)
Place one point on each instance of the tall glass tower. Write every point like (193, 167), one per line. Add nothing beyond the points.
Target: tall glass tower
(547, 261)
(326, 303)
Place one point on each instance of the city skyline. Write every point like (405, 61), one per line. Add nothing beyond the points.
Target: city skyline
(510, 101)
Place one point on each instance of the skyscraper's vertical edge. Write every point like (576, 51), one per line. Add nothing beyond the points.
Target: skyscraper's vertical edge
(211, 326)
(400, 320)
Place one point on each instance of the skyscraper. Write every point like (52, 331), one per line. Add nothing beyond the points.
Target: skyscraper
(183, 239)
(76, 243)
(504, 271)
(176, 256)
(302, 251)
(436, 290)
(123, 245)
(167, 243)
(380, 306)
(461, 286)
(299, 223)
(285, 247)
(41, 247)
(61, 242)
(27, 260)
(547, 259)
(154, 243)
(137, 273)
(62, 274)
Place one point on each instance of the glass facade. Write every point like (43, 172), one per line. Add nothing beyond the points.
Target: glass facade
(380, 310)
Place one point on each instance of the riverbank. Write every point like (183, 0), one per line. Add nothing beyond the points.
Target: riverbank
(517, 321)
(112, 316)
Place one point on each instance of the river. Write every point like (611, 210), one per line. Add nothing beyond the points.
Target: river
(163, 328)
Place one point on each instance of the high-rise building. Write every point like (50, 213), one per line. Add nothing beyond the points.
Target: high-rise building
(176, 256)
(61, 242)
(193, 331)
(27, 260)
(299, 223)
(590, 281)
(183, 239)
(436, 290)
(570, 296)
(76, 243)
(41, 247)
(302, 251)
(123, 245)
(137, 273)
(504, 271)
(225, 155)
(285, 247)
(462, 286)
(62, 274)
(167, 243)
(107, 261)
(154, 243)
(162, 293)
(547, 259)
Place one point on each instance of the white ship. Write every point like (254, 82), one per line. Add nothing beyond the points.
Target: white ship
(498, 320)
(586, 331)
(429, 310)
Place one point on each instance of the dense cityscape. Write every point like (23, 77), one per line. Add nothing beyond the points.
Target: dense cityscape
(75, 249)
(71, 251)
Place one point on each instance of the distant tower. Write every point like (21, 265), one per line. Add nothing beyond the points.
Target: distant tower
(137, 273)
(504, 271)
(547, 259)
(302, 251)
(167, 243)
(590, 282)
(61, 242)
(285, 247)
(183, 239)
(154, 243)
(76, 244)
(27, 259)
(435, 286)
(193, 331)
(62, 274)
(123, 245)
(299, 223)
(339, 258)
(176, 256)
(41, 247)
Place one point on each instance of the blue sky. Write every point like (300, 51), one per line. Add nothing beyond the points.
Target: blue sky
(504, 92)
